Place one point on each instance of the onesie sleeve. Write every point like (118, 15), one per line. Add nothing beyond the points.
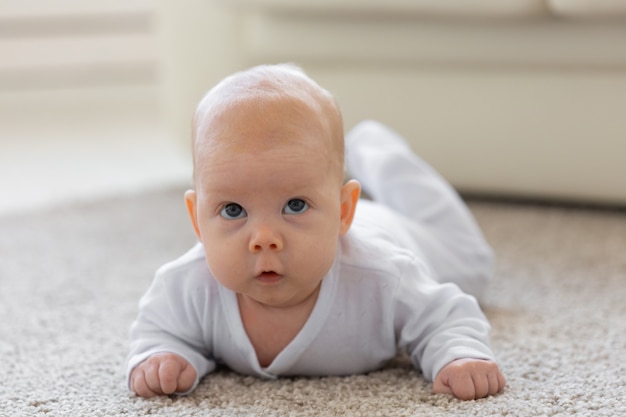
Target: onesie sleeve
(438, 323)
(172, 318)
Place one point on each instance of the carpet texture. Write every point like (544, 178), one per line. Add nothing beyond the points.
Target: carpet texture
(70, 279)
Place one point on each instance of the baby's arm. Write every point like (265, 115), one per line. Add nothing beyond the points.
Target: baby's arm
(447, 336)
(162, 374)
(469, 379)
(168, 343)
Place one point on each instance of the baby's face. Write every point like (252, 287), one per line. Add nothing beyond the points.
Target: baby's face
(268, 206)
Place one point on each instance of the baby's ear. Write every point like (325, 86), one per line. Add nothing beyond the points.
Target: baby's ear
(349, 197)
(191, 200)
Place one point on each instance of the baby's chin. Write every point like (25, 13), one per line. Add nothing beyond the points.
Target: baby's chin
(272, 296)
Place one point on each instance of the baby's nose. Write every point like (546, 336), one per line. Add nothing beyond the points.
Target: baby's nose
(265, 238)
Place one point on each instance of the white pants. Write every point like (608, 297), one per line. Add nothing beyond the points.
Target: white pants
(438, 221)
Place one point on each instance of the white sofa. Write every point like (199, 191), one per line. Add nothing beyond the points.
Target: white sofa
(515, 98)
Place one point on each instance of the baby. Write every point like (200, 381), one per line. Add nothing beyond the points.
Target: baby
(291, 276)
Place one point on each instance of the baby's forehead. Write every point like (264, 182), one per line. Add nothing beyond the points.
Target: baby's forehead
(269, 118)
(266, 148)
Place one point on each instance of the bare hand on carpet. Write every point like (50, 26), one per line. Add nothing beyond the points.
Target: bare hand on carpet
(162, 374)
(469, 379)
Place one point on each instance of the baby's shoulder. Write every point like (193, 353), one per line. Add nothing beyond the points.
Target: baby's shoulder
(369, 255)
(188, 272)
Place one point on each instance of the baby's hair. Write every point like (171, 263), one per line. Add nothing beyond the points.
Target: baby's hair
(281, 81)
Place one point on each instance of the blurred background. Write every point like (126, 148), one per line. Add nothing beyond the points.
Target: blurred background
(79, 107)
(523, 98)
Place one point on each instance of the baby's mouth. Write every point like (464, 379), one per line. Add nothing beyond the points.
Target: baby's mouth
(269, 277)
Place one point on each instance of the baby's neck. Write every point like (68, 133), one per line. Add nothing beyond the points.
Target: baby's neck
(271, 329)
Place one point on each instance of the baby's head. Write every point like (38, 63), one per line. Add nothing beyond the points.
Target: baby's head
(268, 96)
(269, 202)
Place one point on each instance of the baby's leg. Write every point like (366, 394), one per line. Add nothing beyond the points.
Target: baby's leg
(440, 222)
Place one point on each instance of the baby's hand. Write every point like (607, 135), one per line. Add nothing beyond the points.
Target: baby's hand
(469, 379)
(162, 374)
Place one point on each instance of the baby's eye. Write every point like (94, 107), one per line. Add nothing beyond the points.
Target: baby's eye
(233, 211)
(296, 206)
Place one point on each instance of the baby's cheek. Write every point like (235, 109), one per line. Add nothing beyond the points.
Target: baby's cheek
(222, 263)
(320, 258)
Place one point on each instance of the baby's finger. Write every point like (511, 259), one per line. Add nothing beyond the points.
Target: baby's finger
(187, 379)
(138, 384)
(441, 387)
(481, 385)
(463, 387)
(169, 372)
(501, 381)
(494, 383)
(151, 370)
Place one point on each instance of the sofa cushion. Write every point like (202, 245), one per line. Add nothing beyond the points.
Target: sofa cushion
(426, 8)
(588, 9)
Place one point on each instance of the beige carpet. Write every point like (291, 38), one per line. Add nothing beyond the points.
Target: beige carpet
(70, 280)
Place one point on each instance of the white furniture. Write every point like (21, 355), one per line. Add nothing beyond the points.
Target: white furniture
(517, 98)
